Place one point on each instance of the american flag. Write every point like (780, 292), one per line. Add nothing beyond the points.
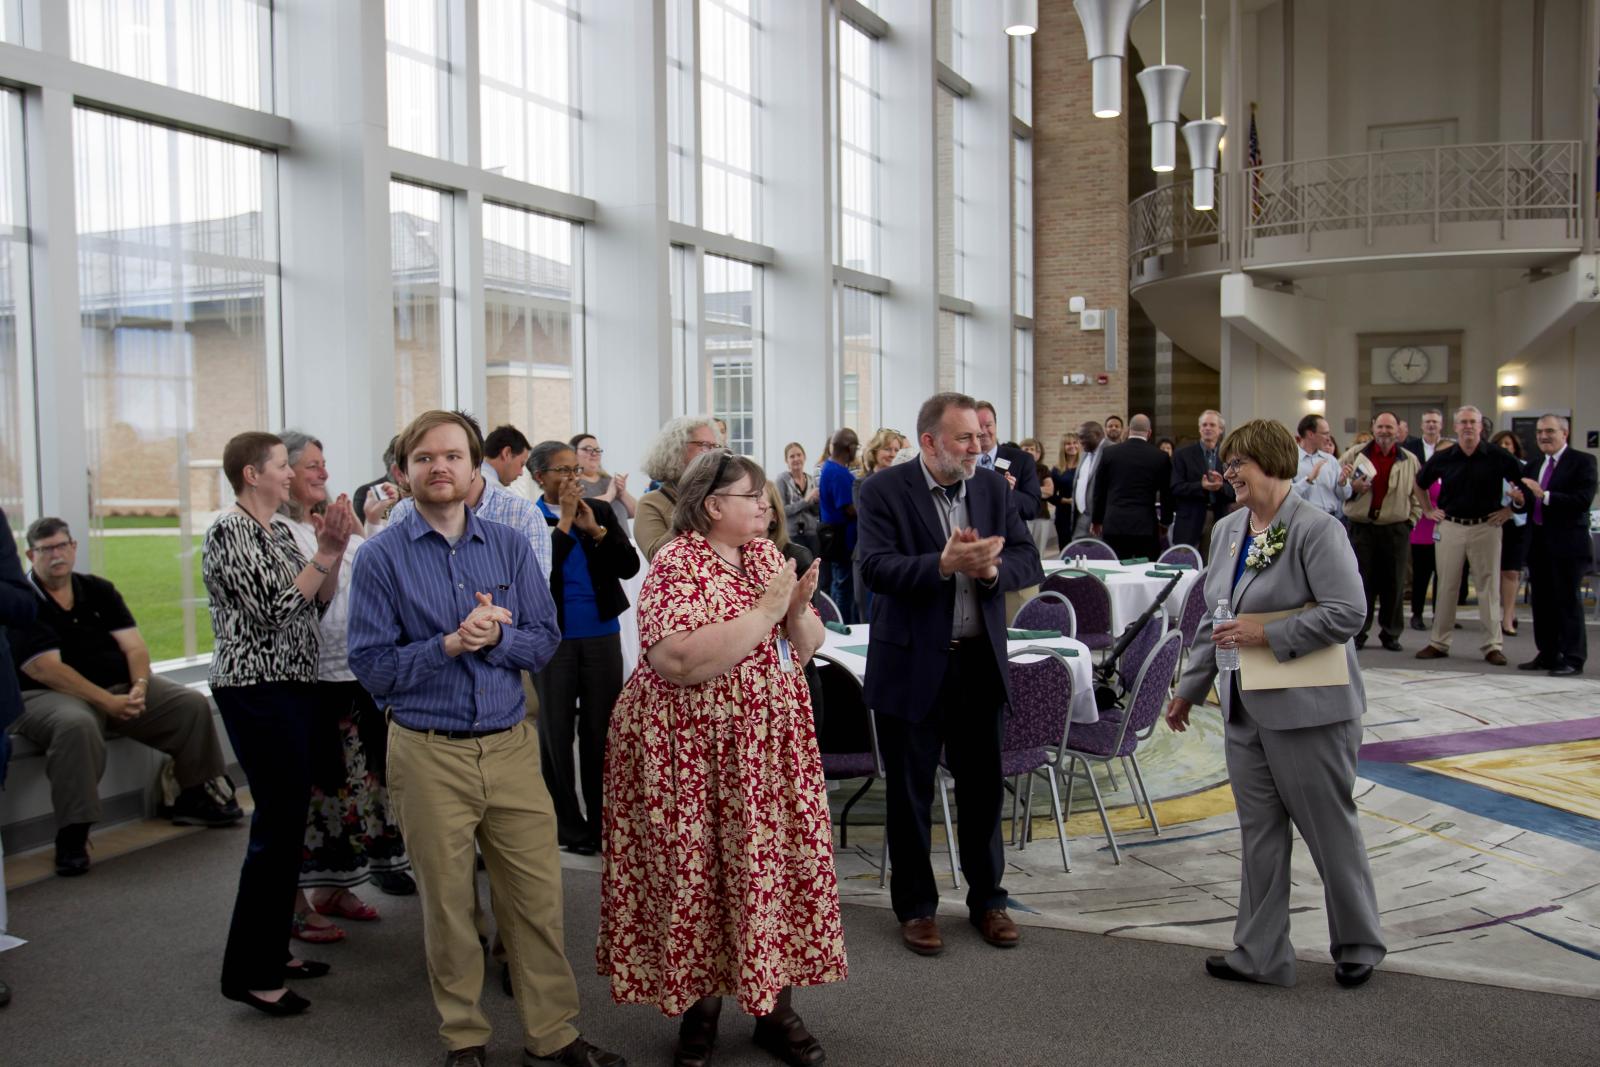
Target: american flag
(1254, 160)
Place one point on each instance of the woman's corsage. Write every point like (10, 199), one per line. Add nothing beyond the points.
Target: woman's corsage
(1265, 548)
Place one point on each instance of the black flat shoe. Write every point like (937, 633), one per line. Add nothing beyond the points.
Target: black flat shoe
(580, 848)
(1563, 671)
(1418, 624)
(1391, 643)
(1535, 664)
(787, 1038)
(291, 1003)
(306, 969)
(1217, 967)
(394, 883)
(1351, 975)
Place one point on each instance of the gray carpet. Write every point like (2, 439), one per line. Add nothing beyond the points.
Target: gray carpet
(121, 969)
(1465, 655)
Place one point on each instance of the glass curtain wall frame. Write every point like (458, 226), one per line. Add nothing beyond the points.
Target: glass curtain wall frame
(533, 322)
(1022, 79)
(422, 263)
(221, 49)
(730, 119)
(419, 76)
(683, 185)
(856, 211)
(682, 297)
(952, 351)
(179, 288)
(18, 440)
(1022, 226)
(11, 21)
(860, 358)
(528, 79)
(731, 367)
(948, 113)
(1022, 384)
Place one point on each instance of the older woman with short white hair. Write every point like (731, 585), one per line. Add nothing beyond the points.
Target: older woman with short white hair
(680, 443)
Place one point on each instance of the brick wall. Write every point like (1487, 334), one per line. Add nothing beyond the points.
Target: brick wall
(1081, 227)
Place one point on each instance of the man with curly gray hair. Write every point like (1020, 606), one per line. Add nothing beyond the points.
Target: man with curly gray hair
(680, 442)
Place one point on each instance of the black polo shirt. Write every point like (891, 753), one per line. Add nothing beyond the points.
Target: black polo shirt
(82, 635)
(1471, 486)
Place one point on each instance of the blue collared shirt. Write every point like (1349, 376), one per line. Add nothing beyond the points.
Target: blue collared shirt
(499, 504)
(1324, 494)
(411, 588)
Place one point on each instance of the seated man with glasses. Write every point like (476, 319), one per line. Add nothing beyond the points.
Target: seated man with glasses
(85, 673)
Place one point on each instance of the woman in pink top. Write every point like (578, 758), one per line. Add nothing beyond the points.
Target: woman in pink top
(1422, 560)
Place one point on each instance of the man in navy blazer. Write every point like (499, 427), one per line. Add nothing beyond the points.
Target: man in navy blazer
(939, 546)
(1558, 491)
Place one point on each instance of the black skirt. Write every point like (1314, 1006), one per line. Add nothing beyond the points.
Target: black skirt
(1513, 547)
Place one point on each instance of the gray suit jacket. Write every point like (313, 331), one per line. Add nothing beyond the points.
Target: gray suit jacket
(1317, 566)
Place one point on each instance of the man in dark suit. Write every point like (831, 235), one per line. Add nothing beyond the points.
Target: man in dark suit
(18, 606)
(1022, 473)
(1133, 494)
(1432, 437)
(940, 545)
(1559, 488)
(1199, 493)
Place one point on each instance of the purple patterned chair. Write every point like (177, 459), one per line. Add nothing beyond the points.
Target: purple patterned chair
(1089, 548)
(1047, 611)
(1091, 606)
(1192, 614)
(1113, 739)
(1181, 554)
(826, 607)
(1139, 650)
(1036, 726)
(848, 741)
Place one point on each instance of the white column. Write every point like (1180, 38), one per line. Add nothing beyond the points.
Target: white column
(627, 317)
(338, 330)
(797, 161)
(908, 199)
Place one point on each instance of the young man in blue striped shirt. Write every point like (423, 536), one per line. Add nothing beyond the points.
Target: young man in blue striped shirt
(446, 610)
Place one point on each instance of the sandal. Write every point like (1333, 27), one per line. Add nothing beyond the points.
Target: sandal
(300, 929)
(346, 905)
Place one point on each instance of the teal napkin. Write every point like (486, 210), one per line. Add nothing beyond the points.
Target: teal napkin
(855, 650)
(1031, 635)
(1135, 560)
(1176, 566)
(838, 627)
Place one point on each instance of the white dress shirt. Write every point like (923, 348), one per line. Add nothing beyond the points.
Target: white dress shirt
(1325, 493)
(1080, 484)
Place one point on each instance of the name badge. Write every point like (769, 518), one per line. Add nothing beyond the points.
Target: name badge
(785, 657)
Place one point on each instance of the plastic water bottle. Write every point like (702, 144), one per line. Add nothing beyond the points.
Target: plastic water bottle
(1227, 658)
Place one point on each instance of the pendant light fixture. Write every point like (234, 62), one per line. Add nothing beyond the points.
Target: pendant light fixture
(1163, 97)
(1105, 33)
(1204, 137)
(1022, 17)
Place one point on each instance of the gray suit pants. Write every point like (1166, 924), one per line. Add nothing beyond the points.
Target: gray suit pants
(1298, 779)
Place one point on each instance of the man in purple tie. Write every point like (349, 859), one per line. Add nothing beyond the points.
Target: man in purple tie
(1558, 488)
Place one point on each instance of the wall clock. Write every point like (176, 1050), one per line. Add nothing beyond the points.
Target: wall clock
(1408, 365)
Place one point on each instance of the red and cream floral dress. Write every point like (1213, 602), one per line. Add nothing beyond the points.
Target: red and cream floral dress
(719, 874)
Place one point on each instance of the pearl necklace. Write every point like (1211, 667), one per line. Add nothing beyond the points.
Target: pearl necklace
(1255, 532)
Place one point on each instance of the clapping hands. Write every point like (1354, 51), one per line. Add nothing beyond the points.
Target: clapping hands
(481, 628)
(967, 553)
(780, 591)
(335, 527)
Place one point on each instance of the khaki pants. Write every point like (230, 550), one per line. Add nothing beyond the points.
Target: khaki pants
(176, 720)
(1479, 546)
(448, 794)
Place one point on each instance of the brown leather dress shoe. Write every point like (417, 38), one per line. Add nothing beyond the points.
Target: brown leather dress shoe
(996, 927)
(1432, 652)
(1496, 657)
(922, 936)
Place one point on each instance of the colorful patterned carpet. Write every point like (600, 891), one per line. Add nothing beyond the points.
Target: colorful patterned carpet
(1480, 804)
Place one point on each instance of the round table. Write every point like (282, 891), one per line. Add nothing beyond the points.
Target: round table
(850, 652)
(1132, 589)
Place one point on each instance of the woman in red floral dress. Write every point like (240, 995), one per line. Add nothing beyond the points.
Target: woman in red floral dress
(719, 876)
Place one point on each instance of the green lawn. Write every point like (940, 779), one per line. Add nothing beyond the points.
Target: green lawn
(140, 522)
(146, 571)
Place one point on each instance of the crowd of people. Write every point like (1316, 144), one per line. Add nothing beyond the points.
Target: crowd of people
(428, 674)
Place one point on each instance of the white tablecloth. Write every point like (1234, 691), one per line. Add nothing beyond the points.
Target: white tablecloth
(849, 650)
(1132, 590)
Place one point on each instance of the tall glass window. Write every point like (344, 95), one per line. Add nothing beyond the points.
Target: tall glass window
(682, 189)
(947, 32)
(533, 312)
(952, 350)
(216, 48)
(1022, 78)
(680, 294)
(178, 278)
(730, 111)
(858, 149)
(528, 70)
(1022, 225)
(1022, 383)
(947, 136)
(419, 76)
(732, 332)
(421, 242)
(16, 343)
(11, 21)
(860, 357)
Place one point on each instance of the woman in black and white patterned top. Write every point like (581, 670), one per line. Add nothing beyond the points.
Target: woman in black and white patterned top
(265, 600)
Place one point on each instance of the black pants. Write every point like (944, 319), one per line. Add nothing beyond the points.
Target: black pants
(1381, 556)
(580, 687)
(1132, 546)
(1555, 576)
(965, 723)
(270, 726)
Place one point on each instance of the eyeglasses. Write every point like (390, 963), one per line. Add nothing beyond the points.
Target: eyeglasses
(58, 549)
(704, 446)
(560, 470)
(1230, 468)
(591, 450)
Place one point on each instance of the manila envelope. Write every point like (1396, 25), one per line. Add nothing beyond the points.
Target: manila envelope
(1260, 669)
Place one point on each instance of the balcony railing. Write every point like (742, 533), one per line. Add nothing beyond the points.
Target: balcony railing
(1400, 198)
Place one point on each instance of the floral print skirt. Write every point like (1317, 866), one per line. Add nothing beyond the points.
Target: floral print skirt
(350, 831)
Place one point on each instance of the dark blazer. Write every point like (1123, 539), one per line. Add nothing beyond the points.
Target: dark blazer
(1572, 490)
(1132, 489)
(913, 609)
(18, 606)
(1189, 499)
(1064, 481)
(1025, 497)
(610, 560)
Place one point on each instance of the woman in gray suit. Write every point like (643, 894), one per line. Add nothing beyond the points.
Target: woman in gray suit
(1291, 752)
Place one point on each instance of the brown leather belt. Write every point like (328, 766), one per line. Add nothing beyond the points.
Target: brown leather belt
(1467, 522)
